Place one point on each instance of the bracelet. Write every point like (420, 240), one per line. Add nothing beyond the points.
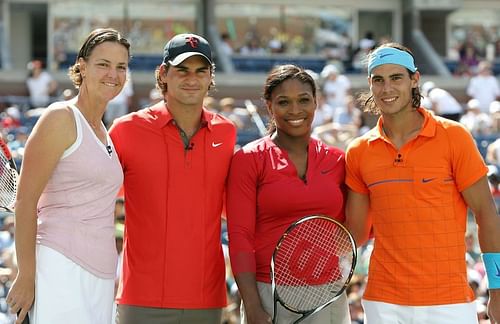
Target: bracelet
(492, 266)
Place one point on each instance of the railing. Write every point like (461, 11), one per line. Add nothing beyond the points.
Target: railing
(264, 63)
(241, 63)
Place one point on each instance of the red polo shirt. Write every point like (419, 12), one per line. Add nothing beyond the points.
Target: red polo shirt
(172, 255)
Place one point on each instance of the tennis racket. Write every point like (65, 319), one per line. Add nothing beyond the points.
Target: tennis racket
(8, 178)
(312, 265)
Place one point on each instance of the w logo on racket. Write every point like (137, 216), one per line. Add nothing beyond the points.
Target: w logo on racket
(313, 265)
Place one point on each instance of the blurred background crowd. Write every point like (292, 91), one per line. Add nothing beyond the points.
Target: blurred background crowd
(337, 121)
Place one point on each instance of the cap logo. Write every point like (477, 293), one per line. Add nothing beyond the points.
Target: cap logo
(192, 41)
(183, 46)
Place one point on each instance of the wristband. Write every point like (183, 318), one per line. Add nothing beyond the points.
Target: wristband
(492, 266)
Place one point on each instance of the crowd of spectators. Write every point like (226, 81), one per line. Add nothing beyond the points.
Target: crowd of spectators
(337, 121)
(341, 51)
(475, 48)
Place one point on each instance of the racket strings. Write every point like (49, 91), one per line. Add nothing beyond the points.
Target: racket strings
(312, 264)
(8, 183)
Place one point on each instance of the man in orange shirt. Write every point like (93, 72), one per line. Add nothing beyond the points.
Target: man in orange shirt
(175, 157)
(411, 180)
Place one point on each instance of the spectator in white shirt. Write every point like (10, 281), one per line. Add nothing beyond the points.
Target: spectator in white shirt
(484, 86)
(40, 85)
(226, 46)
(477, 122)
(442, 102)
(336, 86)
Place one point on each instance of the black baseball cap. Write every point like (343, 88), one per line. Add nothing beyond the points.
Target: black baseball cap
(182, 46)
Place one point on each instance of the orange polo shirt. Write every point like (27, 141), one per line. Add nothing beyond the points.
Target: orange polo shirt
(172, 255)
(419, 216)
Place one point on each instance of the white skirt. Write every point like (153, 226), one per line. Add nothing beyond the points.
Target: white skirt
(67, 293)
(385, 313)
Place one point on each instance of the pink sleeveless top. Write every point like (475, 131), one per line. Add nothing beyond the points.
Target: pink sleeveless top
(76, 208)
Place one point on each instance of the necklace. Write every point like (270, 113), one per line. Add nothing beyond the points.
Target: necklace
(404, 136)
(95, 127)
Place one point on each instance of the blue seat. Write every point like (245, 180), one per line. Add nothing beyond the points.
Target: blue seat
(482, 142)
(264, 63)
(137, 63)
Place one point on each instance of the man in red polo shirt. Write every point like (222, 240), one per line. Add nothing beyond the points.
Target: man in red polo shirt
(175, 157)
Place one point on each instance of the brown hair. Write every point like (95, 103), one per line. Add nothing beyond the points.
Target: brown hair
(96, 37)
(162, 87)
